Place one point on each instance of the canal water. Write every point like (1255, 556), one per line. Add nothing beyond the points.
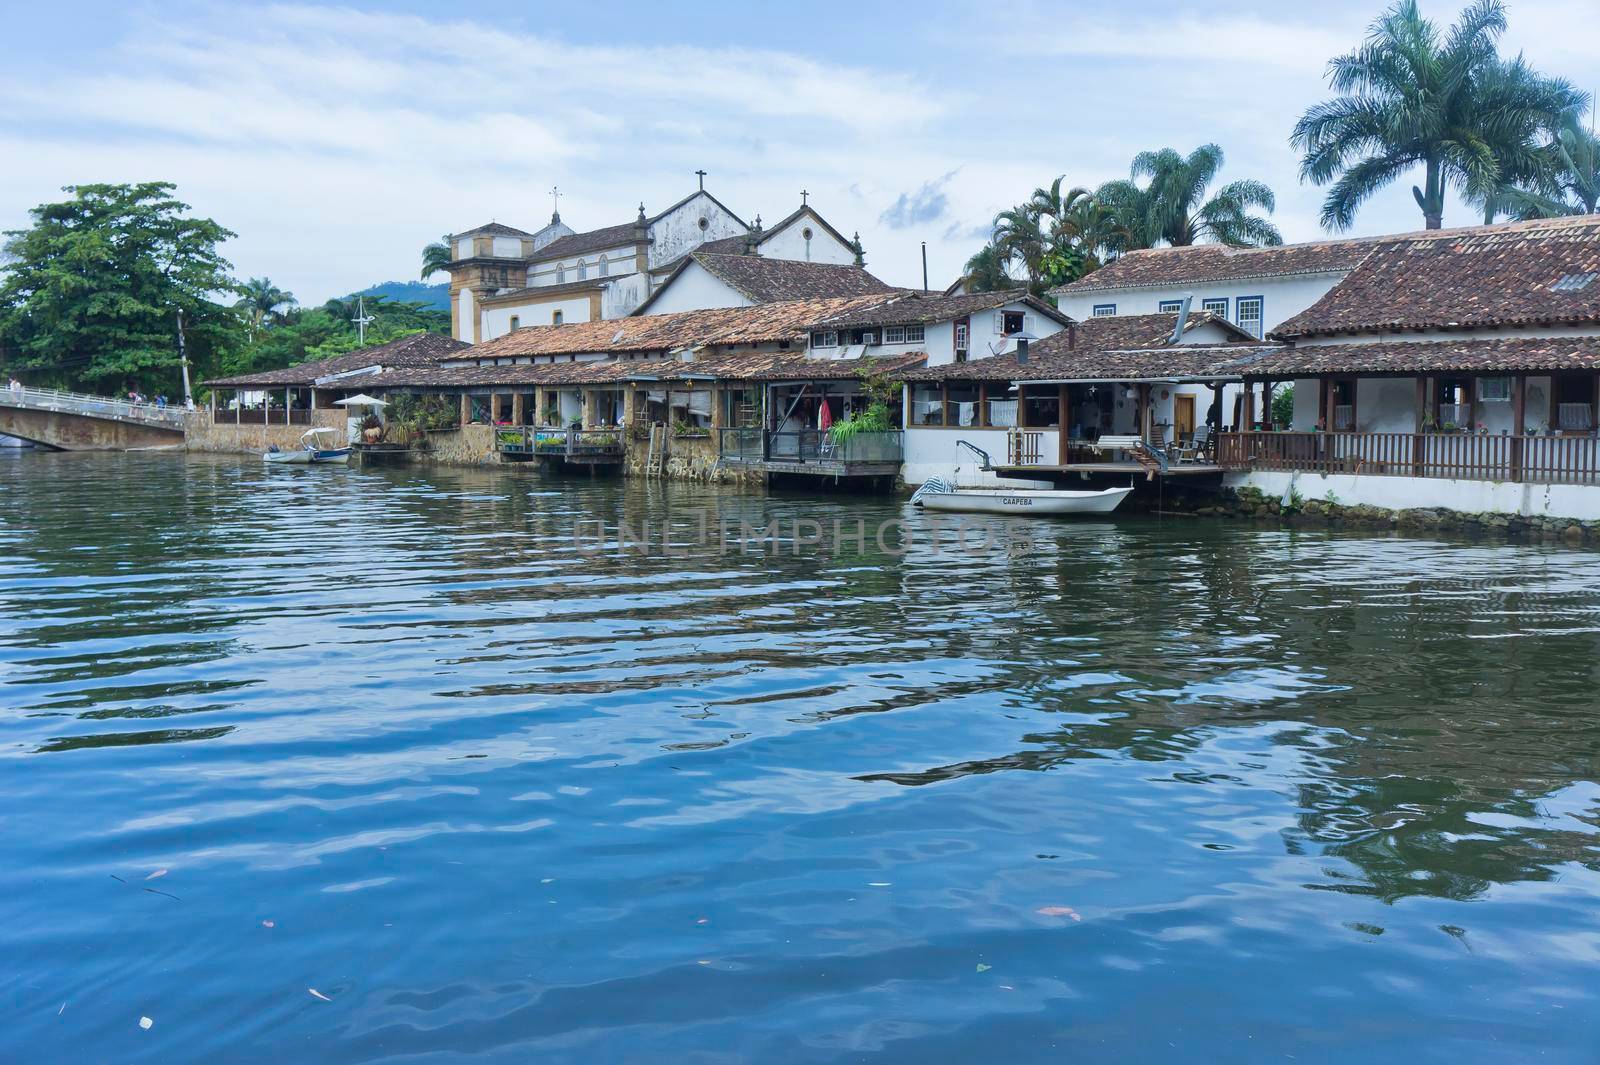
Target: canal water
(326, 765)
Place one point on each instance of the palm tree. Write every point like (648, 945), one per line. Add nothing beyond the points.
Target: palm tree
(1019, 237)
(1409, 97)
(1567, 181)
(260, 299)
(1173, 206)
(436, 257)
(1092, 226)
(986, 271)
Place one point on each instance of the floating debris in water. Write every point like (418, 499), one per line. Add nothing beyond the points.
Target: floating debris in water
(982, 968)
(268, 924)
(1059, 911)
(145, 1023)
(158, 872)
(318, 994)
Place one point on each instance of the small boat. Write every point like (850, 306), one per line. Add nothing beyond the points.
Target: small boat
(1037, 502)
(314, 447)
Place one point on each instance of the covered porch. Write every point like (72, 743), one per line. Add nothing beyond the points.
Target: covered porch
(1499, 425)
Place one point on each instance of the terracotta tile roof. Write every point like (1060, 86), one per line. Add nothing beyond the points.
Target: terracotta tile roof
(416, 351)
(1467, 355)
(1526, 274)
(729, 366)
(907, 307)
(494, 229)
(1184, 362)
(764, 280)
(1128, 347)
(1206, 263)
(785, 320)
(583, 243)
(1136, 331)
(529, 292)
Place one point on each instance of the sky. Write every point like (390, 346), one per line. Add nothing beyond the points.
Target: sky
(337, 140)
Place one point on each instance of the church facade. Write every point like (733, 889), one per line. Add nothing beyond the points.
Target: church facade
(502, 278)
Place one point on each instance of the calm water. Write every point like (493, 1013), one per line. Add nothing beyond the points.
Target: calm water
(1140, 792)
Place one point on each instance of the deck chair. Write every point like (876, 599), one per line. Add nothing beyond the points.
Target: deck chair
(1196, 449)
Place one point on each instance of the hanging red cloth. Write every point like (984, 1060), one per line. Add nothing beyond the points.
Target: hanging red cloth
(825, 417)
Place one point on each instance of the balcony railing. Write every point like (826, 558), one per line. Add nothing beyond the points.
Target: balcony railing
(261, 416)
(1458, 456)
(559, 443)
(92, 406)
(811, 446)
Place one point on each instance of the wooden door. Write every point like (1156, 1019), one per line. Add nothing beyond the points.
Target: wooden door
(1182, 417)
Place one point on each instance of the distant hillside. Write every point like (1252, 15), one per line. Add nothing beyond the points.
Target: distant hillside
(435, 296)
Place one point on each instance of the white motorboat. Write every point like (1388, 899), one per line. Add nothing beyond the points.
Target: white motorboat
(314, 447)
(1035, 502)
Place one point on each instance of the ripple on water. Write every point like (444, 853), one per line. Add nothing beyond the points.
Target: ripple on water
(392, 736)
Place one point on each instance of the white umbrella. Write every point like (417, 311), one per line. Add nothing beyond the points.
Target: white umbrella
(362, 400)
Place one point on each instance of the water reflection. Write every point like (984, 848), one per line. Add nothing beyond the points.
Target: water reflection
(500, 795)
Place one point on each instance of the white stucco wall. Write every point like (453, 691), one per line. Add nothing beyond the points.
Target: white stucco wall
(620, 260)
(497, 319)
(463, 247)
(933, 452)
(508, 247)
(1401, 493)
(622, 296)
(790, 243)
(1282, 297)
(678, 231)
(464, 317)
(693, 289)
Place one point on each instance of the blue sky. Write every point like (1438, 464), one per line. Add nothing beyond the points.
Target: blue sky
(336, 140)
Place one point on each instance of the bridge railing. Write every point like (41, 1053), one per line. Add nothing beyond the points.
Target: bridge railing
(92, 406)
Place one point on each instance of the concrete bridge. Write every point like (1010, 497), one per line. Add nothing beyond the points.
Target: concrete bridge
(71, 421)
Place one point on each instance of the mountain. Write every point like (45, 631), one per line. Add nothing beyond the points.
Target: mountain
(435, 296)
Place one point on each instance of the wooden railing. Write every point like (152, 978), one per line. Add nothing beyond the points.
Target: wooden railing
(261, 416)
(810, 445)
(1459, 456)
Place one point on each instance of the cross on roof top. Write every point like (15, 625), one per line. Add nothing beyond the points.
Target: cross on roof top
(803, 195)
(701, 174)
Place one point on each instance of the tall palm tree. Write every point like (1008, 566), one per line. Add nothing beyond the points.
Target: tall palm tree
(260, 299)
(436, 257)
(1173, 205)
(986, 271)
(1092, 226)
(1410, 97)
(1568, 181)
(1019, 237)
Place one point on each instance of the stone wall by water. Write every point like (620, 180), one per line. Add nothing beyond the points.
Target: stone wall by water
(200, 434)
(688, 459)
(1252, 503)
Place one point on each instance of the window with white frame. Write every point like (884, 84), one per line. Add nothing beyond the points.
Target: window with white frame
(894, 334)
(1248, 314)
(825, 339)
(605, 267)
(915, 334)
(1105, 310)
(1218, 307)
(1169, 306)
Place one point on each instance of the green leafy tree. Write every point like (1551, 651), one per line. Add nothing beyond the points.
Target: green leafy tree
(1568, 181)
(1409, 96)
(260, 299)
(436, 257)
(1173, 206)
(90, 292)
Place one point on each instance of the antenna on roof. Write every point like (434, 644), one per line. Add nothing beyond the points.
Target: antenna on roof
(1183, 319)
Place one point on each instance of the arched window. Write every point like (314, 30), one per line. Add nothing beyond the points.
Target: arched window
(555, 318)
(605, 267)
(561, 274)
(583, 270)
(516, 322)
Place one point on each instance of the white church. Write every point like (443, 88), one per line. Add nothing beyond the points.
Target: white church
(503, 278)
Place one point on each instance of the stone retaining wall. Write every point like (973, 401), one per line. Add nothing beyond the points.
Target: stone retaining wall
(1254, 504)
(201, 434)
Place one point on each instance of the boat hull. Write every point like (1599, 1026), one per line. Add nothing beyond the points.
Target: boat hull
(1030, 502)
(288, 458)
(341, 454)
